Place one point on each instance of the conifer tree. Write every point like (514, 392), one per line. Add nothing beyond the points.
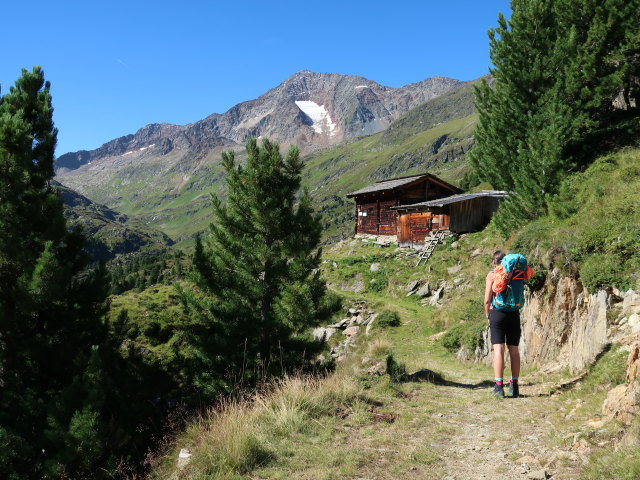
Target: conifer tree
(258, 287)
(558, 67)
(49, 313)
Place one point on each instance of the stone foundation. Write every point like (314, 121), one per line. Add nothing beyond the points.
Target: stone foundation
(377, 238)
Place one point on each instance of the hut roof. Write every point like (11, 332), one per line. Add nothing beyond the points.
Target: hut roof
(398, 182)
(440, 202)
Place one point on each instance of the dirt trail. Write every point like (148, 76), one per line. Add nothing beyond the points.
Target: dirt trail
(460, 431)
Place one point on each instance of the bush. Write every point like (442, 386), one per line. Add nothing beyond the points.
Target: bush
(602, 269)
(379, 281)
(467, 334)
(388, 318)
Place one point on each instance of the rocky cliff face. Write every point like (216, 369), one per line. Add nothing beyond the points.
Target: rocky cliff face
(564, 325)
(312, 110)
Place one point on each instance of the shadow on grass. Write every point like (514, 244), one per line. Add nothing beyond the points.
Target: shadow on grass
(426, 375)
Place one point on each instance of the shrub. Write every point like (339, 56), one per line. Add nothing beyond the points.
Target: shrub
(467, 334)
(601, 269)
(379, 281)
(388, 318)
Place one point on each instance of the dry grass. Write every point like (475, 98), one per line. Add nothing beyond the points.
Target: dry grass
(379, 349)
(241, 435)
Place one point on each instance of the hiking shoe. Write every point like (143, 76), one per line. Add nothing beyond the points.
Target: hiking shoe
(514, 390)
(498, 391)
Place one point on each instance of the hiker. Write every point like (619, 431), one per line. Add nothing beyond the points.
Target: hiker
(503, 299)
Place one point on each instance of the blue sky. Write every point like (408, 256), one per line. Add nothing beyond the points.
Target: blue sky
(116, 66)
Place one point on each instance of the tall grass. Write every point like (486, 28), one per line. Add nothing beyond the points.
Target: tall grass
(240, 435)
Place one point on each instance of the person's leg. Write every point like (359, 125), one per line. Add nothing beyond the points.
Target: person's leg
(514, 358)
(498, 360)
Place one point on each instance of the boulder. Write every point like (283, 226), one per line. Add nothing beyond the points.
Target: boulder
(412, 286)
(351, 331)
(437, 295)
(341, 324)
(633, 320)
(455, 245)
(374, 267)
(623, 402)
(323, 334)
(372, 319)
(377, 369)
(630, 302)
(425, 291)
(184, 457)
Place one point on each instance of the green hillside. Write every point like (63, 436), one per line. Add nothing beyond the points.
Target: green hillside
(434, 136)
(334, 172)
(442, 422)
(111, 234)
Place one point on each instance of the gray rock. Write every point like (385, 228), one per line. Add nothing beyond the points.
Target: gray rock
(341, 324)
(633, 319)
(458, 280)
(425, 291)
(351, 331)
(412, 286)
(372, 319)
(378, 369)
(374, 267)
(437, 295)
(454, 270)
(455, 245)
(184, 457)
(323, 334)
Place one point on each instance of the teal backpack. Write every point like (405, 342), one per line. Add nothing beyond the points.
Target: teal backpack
(508, 284)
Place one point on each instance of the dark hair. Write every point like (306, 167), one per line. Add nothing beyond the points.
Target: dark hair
(498, 255)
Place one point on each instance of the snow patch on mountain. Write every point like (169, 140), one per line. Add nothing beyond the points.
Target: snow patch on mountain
(318, 114)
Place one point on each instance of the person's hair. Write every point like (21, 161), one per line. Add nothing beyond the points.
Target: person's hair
(498, 256)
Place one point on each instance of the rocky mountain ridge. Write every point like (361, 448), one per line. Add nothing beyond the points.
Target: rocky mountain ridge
(312, 110)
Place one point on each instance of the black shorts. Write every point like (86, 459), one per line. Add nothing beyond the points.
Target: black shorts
(505, 327)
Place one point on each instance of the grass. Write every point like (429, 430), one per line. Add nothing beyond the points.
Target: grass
(275, 426)
(594, 227)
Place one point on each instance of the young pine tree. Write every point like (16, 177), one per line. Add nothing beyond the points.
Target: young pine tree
(257, 287)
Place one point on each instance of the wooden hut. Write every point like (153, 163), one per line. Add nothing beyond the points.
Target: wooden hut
(375, 212)
(462, 213)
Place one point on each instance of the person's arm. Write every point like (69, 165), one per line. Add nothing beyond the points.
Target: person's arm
(488, 294)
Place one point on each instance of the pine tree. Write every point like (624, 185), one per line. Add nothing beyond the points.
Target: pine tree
(258, 289)
(49, 313)
(558, 67)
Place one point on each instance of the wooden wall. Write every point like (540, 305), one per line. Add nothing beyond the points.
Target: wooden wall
(472, 215)
(414, 227)
(374, 215)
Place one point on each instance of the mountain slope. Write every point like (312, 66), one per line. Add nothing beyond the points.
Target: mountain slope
(312, 110)
(166, 183)
(109, 233)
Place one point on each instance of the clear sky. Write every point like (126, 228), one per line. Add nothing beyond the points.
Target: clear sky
(116, 66)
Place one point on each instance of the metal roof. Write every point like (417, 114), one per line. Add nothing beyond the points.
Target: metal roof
(394, 183)
(440, 202)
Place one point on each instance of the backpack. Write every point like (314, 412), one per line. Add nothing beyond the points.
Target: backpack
(508, 282)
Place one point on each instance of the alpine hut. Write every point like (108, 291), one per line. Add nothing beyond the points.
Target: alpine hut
(375, 212)
(409, 209)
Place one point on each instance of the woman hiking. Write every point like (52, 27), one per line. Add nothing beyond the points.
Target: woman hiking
(503, 299)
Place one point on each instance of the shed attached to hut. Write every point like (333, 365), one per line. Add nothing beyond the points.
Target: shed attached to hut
(375, 213)
(461, 213)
